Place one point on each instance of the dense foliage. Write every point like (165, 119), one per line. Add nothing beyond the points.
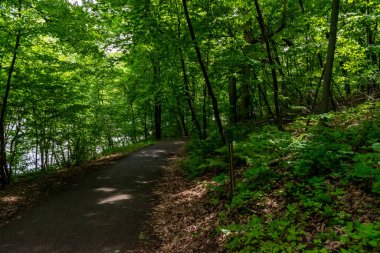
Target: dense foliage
(311, 188)
(80, 76)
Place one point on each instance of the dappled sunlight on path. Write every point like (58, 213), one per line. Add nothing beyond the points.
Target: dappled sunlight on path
(106, 212)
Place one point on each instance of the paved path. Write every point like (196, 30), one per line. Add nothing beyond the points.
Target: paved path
(103, 213)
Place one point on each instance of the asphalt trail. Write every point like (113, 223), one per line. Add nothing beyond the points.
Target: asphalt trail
(103, 213)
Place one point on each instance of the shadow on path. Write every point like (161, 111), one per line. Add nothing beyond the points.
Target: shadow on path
(103, 213)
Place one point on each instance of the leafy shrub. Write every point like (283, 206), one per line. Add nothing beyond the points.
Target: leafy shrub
(367, 166)
(204, 157)
(361, 237)
(324, 152)
(263, 146)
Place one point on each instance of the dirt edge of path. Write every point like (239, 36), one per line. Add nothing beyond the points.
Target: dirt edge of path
(183, 220)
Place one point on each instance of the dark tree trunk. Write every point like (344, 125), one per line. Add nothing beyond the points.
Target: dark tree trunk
(134, 130)
(145, 122)
(301, 6)
(278, 117)
(245, 94)
(5, 172)
(204, 72)
(269, 109)
(186, 82)
(204, 112)
(157, 120)
(157, 102)
(188, 96)
(180, 117)
(279, 67)
(183, 122)
(326, 88)
(347, 87)
(232, 94)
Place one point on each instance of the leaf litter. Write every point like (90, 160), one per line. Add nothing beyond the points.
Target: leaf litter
(183, 221)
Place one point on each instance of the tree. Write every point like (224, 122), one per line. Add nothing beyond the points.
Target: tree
(328, 71)
(271, 63)
(204, 72)
(5, 171)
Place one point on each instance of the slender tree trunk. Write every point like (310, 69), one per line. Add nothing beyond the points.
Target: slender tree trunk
(326, 88)
(14, 141)
(42, 149)
(157, 120)
(204, 72)
(269, 109)
(347, 87)
(284, 90)
(232, 95)
(145, 122)
(301, 6)
(186, 82)
(183, 122)
(245, 95)
(134, 131)
(157, 101)
(5, 173)
(188, 96)
(204, 112)
(278, 117)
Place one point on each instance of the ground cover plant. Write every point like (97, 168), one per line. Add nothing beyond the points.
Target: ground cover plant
(311, 188)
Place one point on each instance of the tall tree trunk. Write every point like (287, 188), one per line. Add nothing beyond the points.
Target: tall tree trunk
(326, 89)
(180, 115)
(157, 102)
(245, 94)
(183, 122)
(157, 120)
(145, 122)
(301, 6)
(272, 64)
(204, 72)
(15, 140)
(347, 87)
(186, 81)
(5, 173)
(188, 96)
(232, 95)
(134, 131)
(204, 112)
(279, 67)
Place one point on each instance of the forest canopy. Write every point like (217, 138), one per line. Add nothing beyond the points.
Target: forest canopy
(80, 77)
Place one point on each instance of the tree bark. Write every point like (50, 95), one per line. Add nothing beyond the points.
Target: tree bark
(245, 94)
(232, 94)
(204, 113)
(301, 6)
(278, 117)
(157, 103)
(186, 82)
(157, 120)
(188, 96)
(5, 172)
(326, 89)
(145, 122)
(204, 72)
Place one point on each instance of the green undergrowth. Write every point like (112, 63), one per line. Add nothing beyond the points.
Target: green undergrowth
(125, 149)
(312, 188)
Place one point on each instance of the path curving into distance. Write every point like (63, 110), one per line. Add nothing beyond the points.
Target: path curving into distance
(105, 212)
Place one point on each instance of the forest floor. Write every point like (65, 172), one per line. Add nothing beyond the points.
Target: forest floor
(184, 221)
